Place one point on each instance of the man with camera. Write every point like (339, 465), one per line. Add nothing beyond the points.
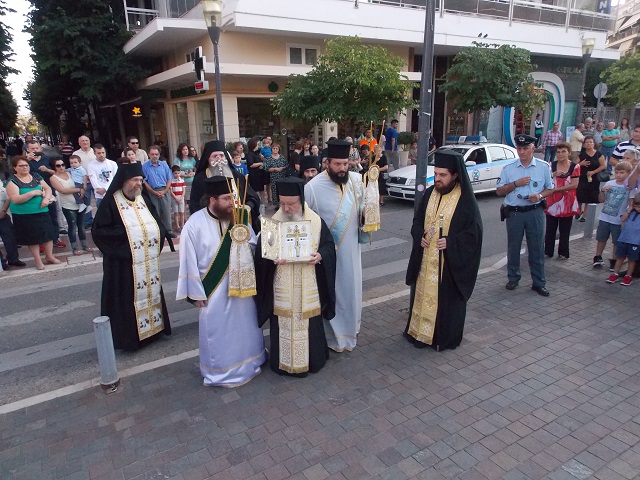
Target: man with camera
(41, 164)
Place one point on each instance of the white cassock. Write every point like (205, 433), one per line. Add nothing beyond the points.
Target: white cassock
(231, 343)
(341, 209)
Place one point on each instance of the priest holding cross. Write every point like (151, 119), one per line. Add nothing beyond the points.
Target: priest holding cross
(296, 293)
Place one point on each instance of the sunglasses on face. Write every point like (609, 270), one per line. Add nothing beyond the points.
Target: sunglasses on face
(133, 143)
(59, 165)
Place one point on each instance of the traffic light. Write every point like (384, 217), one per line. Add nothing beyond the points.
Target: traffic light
(199, 61)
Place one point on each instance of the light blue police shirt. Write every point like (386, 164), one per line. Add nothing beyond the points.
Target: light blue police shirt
(540, 174)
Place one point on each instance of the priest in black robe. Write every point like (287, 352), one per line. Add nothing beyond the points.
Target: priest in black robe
(445, 258)
(129, 233)
(296, 296)
(215, 160)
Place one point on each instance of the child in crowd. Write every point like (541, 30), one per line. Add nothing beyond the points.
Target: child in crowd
(178, 187)
(615, 198)
(628, 243)
(237, 163)
(80, 178)
(265, 151)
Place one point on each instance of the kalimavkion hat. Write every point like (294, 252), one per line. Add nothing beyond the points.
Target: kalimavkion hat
(524, 140)
(309, 161)
(290, 187)
(446, 160)
(338, 149)
(216, 185)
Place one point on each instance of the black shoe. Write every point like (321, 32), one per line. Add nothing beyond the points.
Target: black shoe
(62, 231)
(17, 263)
(541, 291)
(409, 338)
(612, 264)
(597, 261)
(511, 285)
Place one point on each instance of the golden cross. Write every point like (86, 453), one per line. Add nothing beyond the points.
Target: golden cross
(297, 234)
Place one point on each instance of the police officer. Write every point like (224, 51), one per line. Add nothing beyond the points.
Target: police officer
(525, 183)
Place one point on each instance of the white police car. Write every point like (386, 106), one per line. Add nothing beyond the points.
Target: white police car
(484, 165)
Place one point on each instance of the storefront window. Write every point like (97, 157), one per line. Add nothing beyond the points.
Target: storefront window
(182, 122)
(256, 118)
(206, 121)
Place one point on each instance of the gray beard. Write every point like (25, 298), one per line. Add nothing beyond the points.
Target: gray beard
(296, 217)
(221, 169)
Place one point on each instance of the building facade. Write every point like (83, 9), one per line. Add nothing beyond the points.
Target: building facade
(263, 42)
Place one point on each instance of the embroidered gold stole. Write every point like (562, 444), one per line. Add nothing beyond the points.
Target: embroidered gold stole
(295, 301)
(425, 304)
(144, 240)
(372, 200)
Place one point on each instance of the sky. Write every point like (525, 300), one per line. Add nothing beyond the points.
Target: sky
(21, 60)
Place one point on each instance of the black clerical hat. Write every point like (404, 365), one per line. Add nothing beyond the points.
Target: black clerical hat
(217, 185)
(290, 187)
(523, 140)
(444, 159)
(124, 173)
(309, 161)
(209, 148)
(338, 149)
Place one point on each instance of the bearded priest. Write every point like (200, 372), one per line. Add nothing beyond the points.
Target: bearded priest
(231, 343)
(296, 296)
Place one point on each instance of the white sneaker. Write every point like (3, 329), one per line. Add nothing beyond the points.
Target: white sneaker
(81, 208)
(89, 209)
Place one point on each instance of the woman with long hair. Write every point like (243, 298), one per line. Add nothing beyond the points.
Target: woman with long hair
(277, 167)
(591, 162)
(625, 132)
(187, 166)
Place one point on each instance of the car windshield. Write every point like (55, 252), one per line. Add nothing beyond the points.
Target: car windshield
(461, 150)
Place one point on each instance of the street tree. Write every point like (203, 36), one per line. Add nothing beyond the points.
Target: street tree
(489, 75)
(8, 105)
(623, 76)
(79, 62)
(352, 83)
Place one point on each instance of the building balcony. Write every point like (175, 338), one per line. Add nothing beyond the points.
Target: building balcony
(567, 13)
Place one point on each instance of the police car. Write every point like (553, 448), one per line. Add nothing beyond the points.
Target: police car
(484, 165)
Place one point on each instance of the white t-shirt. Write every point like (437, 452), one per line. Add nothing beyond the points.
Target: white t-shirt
(101, 175)
(615, 202)
(85, 157)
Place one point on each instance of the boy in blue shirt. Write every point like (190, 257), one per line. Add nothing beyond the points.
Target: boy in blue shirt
(238, 165)
(79, 177)
(265, 151)
(628, 243)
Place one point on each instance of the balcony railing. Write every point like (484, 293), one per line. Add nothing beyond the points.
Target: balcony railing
(141, 12)
(553, 12)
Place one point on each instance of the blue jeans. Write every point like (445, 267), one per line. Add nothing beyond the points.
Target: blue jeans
(531, 224)
(87, 201)
(75, 220)
(549, 154)
(607, 152)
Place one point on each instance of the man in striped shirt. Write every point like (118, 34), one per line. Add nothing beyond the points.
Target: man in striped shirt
(551, 139)
(622, 147)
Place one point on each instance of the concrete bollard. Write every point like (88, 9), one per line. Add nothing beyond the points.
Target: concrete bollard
(109, 379)
(590, 221)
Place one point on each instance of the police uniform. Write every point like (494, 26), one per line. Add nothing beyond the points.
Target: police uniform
(526, 217)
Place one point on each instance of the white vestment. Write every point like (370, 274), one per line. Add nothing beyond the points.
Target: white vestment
(327, 199)
(231, 343)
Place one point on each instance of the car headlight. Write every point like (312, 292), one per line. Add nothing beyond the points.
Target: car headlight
(411, 182)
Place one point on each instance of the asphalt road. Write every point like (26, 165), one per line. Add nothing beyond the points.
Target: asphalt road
(46, 333)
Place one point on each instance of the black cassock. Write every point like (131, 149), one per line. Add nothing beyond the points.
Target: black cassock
(109, 234)
(461, 263)
(252, 199)
(326, 279)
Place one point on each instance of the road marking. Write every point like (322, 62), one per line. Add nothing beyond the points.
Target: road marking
(385, 269)
(384, 243)
(28, 316)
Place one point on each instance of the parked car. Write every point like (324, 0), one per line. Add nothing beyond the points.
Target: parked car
(484, 165)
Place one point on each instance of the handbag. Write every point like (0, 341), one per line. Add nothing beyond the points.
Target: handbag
(602, 176)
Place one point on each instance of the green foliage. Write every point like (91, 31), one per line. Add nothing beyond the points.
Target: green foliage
(485, 76)
(405, 138)
(352, 82)
(8, 108)
(623, 76)
(594, 71)
(78, 57)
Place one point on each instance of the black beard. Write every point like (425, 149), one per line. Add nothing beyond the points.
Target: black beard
(338, 179)
(445, 190)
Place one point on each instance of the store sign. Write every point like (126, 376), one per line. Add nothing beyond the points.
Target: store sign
(136, 112)
(604, 6)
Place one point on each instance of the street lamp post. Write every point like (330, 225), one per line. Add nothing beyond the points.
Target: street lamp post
(426, 95)
(587, 49)
(212, 10)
